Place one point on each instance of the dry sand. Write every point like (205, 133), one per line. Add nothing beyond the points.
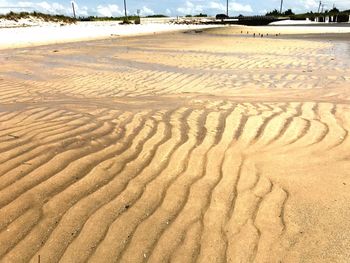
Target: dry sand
(12, 36)
(175, 148)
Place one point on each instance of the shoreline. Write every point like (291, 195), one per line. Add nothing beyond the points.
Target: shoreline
(31, 36)
(22, 37)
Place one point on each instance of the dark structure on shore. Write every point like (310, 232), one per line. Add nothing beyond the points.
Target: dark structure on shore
(327, 17)
(246, 20)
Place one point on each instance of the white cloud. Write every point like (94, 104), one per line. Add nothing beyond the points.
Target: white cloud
(53, 8)
(145, 11)
(168, 12)
(236, 7)
(58, 8)
(82, 11)
(149, 7)
(217, 6)
(190, 8)
(310, 4)
(44, 7)
(109, 10)
(213, 7)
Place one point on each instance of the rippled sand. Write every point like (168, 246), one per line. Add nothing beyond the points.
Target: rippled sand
(175, 148)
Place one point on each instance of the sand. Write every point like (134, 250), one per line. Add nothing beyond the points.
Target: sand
(175, 148)
(15, 35)
(285, 29)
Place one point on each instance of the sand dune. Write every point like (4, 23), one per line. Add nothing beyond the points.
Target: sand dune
(146, 150)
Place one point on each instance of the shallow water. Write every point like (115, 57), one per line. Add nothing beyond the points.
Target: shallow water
(342, 49)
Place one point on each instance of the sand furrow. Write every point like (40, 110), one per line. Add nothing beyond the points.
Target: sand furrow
(129, 194)
(188, 250)
(241, 232)
(69, 157)
(8, 129)
(51, 219)
(153, 191)
(119, 162)
(221, 197)
(143, 187)
(40, 174)
(50, 149)
(70, 226)
(45, 136)
(173, 205)
(270, 222)
(337, 134)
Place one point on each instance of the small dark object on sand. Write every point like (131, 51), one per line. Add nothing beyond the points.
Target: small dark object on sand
(55, 51)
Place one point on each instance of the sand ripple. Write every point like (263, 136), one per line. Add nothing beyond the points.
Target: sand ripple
(179, 157)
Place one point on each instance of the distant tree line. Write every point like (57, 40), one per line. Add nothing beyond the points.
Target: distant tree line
(157, 16)
(275, 12)
(199, 15)
(117, 18)
(290, 13)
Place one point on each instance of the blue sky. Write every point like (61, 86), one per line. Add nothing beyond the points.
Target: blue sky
(168, 7)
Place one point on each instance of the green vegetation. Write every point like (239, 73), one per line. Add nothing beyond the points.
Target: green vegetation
(98, 18)
(341, 16)
(289, 13)
(275, 12)
(199, 15)
(157, 16)
(335, 15)
(45, 17)
(66, 19)
(119, 18)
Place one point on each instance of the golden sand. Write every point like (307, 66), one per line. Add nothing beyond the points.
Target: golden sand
(175, 148)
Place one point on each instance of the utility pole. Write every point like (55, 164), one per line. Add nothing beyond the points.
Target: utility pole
(227, 8)
(73, 10)
(126, 14)
(319, 7)
(281, 7)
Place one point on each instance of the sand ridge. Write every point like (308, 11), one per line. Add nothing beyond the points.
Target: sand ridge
(145, 150)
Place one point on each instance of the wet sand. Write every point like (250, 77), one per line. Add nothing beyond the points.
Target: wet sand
(197, 147)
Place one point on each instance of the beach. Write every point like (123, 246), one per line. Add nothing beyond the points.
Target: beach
(197, 146)
(34, 32)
